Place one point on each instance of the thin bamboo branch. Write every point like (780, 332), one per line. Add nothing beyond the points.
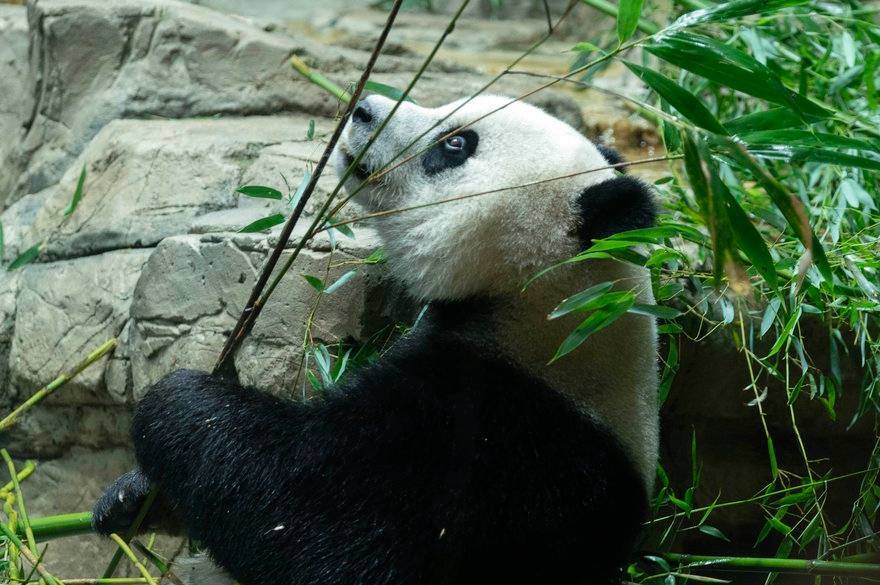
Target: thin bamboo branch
(133, 558)
(773, 565)
(19, 498)
(29, 556)
(59, 526)
(25, 472)
(253, 307)
(57, 383)
(498, 190)
(132, 531)
(319, 79)
(113, 581)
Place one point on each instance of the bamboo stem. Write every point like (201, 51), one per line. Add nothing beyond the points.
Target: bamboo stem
(29, 556)
(19, 498)
(25, 472)
(112, 581)
(319, 79)
(133, 558)
(772, 565)
(253, 307)
(57, 383)
(51, 527)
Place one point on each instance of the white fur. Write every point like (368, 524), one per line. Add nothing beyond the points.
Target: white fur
(490, 245)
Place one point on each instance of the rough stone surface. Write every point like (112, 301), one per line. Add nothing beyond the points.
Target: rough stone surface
(16, 99)
(63, 311)
(160, 58)
(147, 180)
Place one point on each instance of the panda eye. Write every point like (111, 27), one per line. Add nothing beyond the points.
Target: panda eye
(449, 152)
(455, 143)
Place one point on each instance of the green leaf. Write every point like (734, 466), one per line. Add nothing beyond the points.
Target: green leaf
(797, 137)
(628, 13)
(585, 47)
(598, 320)
(747, 237)
(786, 332)
(78, 193)
(733, 68)
(687, 104)
(260, 192)
(713, 532)
(386, 90)
(771, 453)
(344, 229)
(580, 300)
(377, 257)
(316, 282)
(25, 257)
(769, 315)
(659, 311)
(310, 132)
(301, 188)
(790, 207)
(796, 155)
(263, 223)
(772, 119)
(732, 10)
(340, 281)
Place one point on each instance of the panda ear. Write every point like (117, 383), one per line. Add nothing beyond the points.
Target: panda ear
(612, 156)
(616, 205)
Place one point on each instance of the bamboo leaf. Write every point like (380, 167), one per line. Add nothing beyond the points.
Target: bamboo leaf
(340, 281)
(732, 10)
(747, 237)
(786, 332)
(77, 194)
(580, 301)
(316, 283)
(659, 311)
(687, 104)
(733, 68)
(598, 320)
(25, 257)
(263, 223)
(798, 137)
(628, 13)
(772, 119)
(713, 532)
(260, 191)
(387, 91)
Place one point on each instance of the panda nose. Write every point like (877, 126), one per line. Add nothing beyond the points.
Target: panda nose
(362, 112)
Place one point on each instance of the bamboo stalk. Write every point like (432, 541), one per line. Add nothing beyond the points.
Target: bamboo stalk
(649, 28)
(25, 472)
(133, 558)
(50, 527)
(57, 383)
(112, 581)
(19, 498)
(772, 565)
(29, 556)
(319, 79)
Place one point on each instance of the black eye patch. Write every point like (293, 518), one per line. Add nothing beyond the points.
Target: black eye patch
(451, 152)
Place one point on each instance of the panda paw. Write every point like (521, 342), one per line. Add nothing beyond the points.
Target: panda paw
(117, 509)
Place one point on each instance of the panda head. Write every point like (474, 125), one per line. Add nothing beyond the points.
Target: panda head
(544, 208)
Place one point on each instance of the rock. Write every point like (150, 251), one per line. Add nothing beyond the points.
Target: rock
(65, 310)
(16, 99)
(147, 180)
(134, 59)
(8, 294)
(193, 289)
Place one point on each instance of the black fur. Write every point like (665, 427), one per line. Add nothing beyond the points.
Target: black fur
(439, 158)
(612, 156)
(443, 464)
(617, 205)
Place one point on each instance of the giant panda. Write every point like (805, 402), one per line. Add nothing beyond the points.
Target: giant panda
(461, 457)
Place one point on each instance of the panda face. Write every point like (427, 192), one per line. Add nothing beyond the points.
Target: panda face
(483, 245)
